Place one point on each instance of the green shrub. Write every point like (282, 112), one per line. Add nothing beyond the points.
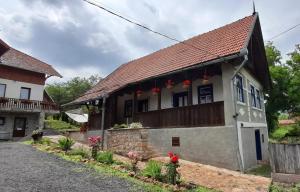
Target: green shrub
(281, 132)
(60, 125)
(82, 152)
(105, 157)
(120, 126)
(135, 125)
(45, 141)
(66, 143)
(153, 170)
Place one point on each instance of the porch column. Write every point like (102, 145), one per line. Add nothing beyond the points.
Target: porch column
(102, 121)
(134, 103)
(41, 120)
(190, 94)
(159, 100)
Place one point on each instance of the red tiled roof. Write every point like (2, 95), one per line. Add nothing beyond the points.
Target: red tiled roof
(3, 47)
(18, 59)
(224, 41)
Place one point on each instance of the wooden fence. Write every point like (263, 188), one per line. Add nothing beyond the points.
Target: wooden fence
(285, 158)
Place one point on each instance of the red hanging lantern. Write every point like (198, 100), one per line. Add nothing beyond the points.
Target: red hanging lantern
(169, 84)
(139, 93)
(205, 77)
(186, 83)
(155, 90)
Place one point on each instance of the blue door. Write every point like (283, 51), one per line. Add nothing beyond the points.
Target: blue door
(258, 145)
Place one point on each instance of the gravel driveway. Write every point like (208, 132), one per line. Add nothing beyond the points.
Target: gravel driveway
(23, 168)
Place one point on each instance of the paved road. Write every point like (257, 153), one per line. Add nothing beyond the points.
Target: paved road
(24, 169)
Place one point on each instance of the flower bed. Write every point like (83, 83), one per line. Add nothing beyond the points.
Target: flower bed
(118, 168)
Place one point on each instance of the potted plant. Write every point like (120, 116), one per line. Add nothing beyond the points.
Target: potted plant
(186, 83)
(37, 135)
(139, 93)
(155, 90)
(169, 84)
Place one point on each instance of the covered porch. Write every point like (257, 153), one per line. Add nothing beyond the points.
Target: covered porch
(167, 101)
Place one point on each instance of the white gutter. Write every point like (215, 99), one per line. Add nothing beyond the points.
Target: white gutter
(235, 115)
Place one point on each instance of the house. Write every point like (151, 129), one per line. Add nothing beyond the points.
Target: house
(23, 100)
(202, 98)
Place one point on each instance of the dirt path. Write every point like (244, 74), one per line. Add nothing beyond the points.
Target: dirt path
(209, 176)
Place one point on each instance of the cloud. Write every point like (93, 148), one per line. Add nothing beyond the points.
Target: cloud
(80, 39)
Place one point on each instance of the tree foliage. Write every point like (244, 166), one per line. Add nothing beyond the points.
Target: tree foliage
(285, 94)
(65, 92)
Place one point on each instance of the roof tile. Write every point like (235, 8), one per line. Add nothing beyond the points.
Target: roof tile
(220, 42)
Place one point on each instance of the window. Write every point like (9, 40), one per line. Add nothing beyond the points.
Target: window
(205, 94)
(258, 105)
(253, 99)
(175, 142)
(25, 93)
(143, 105)
(180, 99)
(239, 88)
(2, 90)
(2, 120)
(128, 108)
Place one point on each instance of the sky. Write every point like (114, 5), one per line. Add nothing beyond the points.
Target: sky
(79, 39)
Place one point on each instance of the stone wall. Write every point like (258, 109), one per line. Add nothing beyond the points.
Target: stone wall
(121, 141)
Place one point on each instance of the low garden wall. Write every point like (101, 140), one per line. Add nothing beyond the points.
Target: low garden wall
(121, 141)
(285, 162)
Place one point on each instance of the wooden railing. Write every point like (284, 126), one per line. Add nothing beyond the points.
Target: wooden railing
(12, 104)
(211, 114)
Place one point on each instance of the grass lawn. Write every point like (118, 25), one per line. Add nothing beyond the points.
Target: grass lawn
(61, 126)
(277, 187)
(261, 170)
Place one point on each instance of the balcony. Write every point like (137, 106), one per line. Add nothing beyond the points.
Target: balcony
(211, 114)
(18, 105)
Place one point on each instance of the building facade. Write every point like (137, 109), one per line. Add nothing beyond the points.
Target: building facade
(205, 104)
(23, 100)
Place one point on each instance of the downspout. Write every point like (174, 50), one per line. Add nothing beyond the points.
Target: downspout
(235, 116)
(102, 122)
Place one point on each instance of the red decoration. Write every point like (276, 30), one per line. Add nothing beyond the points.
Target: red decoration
(186, 83)
(169, 84)
(205, 78)
(155, 90)
(139, 93)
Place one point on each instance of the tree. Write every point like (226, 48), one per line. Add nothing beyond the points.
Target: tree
(294, 87)
(68, 91)
(285, 94)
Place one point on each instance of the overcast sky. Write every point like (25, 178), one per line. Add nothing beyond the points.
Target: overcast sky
(79, 39)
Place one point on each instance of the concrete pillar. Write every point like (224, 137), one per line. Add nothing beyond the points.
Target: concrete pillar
(41, 120)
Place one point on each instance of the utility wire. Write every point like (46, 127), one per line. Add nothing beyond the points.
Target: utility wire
(289, 29)
(149, 29)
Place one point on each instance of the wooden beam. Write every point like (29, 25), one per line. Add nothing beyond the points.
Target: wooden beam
(134, 103)
(190, 94)
(159, 100)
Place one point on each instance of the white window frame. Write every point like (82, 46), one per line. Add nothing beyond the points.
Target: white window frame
(240, 90)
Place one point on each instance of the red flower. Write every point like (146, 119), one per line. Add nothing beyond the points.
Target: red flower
(94, 140)
(174, 159)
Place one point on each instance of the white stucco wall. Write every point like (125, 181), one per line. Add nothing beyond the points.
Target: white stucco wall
(13, 89)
